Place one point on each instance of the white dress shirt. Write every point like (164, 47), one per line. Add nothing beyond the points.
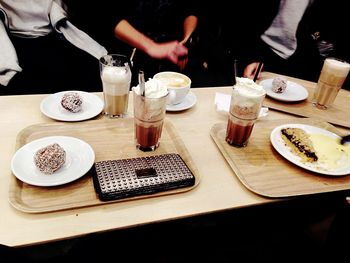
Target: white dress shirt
(35, 18)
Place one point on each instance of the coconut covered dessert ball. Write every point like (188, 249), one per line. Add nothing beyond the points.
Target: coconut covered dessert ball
(50, 158)
(72, 101)
(279, 84)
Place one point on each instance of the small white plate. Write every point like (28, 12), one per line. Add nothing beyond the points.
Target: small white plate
(188, 102)
(51, 106)
(280, 146)
(293, 92)
(79, 159)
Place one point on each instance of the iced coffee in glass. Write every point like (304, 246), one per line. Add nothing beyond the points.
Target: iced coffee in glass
(116, 77)
(332, 77)
(246, 102)
(149, 113)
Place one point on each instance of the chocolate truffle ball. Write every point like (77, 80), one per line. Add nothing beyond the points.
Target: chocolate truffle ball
(279, 84)
(72, 101)
(50, 158)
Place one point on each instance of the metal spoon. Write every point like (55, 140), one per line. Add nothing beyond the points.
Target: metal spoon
(345, 139)
(142, 83)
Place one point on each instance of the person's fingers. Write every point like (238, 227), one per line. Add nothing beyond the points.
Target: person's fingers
(181, 50)
(347, 199)
(182, 63)
(249, 71)
(173, 57)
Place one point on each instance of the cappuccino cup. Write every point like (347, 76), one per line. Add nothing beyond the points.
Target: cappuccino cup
(178, 85)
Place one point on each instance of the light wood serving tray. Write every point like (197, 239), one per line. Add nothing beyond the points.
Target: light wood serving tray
(265, 172)
(111, 139)
(337, 114)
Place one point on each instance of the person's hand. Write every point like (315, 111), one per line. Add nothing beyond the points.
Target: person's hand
(173, 51)
(347, 199)
(249, 71)
(182, 62)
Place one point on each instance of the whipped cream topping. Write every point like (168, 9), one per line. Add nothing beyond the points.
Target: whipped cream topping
(246, 99)
(248, 88)
(153, 89)
(248, 92)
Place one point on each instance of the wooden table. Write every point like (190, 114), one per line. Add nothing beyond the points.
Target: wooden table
(218, 190)
(337, 114)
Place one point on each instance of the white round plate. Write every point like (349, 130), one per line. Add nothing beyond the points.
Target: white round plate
(79, 159)
(280, 146)
(189, 101)
(293, 92)
(51, 106)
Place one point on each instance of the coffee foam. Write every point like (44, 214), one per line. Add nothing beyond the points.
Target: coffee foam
(116, 80)
(173, 79)
(337, 67)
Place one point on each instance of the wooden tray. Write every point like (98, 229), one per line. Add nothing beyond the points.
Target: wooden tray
(264, 171)
(111, 139)
(337, 114)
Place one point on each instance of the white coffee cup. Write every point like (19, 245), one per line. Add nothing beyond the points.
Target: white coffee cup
(177, 84)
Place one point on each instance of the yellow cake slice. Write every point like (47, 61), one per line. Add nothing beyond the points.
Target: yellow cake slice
(299, 141)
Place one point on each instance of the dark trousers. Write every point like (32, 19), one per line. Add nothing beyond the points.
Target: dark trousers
(305, 63)
(51, 64)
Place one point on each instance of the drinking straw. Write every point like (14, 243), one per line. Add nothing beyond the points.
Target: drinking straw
(142, 83)
(257, 71)
(234, 72)
(132, 56)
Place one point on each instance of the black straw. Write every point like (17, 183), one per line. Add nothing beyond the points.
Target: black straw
(234, 71)
(257, 71)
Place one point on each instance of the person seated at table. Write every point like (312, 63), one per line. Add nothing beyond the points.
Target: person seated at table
(159, 31)
(42, 52)
(297, 39)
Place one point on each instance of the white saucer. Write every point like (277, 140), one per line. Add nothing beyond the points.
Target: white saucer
(79, 159)
(51, 106)
(188, 102)
(293, 92)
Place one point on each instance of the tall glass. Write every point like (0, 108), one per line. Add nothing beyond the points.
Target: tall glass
(116, 77)
(246, 101)
(149, 114)
(332, 77)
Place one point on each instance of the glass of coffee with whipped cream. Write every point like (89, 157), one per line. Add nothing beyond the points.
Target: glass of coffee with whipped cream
(246, 101)
(333, 74)
(116, 77)
(149, 114)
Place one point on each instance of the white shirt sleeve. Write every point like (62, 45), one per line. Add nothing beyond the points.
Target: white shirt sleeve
(281, 35)
(77, 37)
(8, 57)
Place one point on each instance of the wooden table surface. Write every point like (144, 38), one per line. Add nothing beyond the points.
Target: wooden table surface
(218, 190)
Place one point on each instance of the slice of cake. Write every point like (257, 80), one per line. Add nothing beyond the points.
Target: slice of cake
(298, 140)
